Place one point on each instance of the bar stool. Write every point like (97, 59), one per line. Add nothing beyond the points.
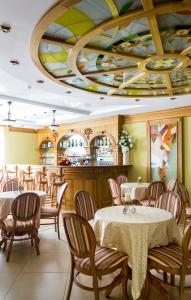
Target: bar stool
(26, 179)
(41, 182)
(54, 182)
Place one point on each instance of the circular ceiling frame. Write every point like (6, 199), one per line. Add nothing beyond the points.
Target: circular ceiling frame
(148, 11)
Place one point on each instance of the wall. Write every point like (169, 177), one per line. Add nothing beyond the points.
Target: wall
(187, 152)
(138, 156)
(20, 147)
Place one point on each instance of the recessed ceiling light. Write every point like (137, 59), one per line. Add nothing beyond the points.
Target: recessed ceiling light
(137, 100)
(172, 98)
(14, 62)
(40, 81)
(68, 92)
(5, 28)
(45, 112)
(101, 98)
(29, 87)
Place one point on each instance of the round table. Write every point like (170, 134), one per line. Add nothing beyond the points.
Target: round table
(136, 190)
(6, 200)
(134, 234)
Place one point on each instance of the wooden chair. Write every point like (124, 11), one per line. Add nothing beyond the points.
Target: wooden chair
(154, 191)
(26, 179)
(115, 192)
(184, 196)
(25, 209)
(54, 213)
(85, 206)
(54, 182)
(171, 202)
(41, 182)
(121, 179)
(12, 185)
(170, 187)
(173, 259)
(91, 260)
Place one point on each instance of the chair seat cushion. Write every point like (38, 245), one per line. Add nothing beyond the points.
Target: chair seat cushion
(168, 256)
(105, 258)
(48, 211)
(20, 226)
(188, 211)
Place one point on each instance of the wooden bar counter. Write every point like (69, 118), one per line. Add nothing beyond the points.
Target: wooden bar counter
(93, 179)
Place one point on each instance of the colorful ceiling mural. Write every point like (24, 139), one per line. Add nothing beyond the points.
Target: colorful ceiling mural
(129, 48)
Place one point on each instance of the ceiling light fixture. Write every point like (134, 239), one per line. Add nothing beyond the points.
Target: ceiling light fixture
(9, 121)
(40, 81)
(5, 28)
(173, 98)
(68, 92)
(137, 100)
(101, 98)
(53, 126)
(14, 62)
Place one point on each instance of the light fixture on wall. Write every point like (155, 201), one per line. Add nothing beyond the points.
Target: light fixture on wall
(53, 126)
(9, 121)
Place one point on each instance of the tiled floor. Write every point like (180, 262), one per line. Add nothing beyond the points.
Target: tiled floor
(45, 277)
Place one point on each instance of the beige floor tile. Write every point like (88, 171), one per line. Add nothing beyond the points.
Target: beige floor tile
(6, 281)
(35, 286)
(48, 263)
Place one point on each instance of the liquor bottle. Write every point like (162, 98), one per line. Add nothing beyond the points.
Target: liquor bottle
(76, 143)
(72, 143)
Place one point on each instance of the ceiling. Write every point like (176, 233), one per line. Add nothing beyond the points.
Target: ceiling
(140, 51)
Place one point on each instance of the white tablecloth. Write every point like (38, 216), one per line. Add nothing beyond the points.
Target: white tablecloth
(137, 190)
(6, 200)
(134, 234)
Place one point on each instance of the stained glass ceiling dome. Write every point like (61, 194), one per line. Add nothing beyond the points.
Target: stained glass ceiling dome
(127, 48)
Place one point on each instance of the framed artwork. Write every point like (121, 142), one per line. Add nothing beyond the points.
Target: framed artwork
(165, 149)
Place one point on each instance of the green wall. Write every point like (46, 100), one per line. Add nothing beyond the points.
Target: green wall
(20, 147)
(139, 153)
(187, 152)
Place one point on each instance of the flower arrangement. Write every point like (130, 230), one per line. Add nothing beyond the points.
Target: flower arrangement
(64, 162)
(125, 140)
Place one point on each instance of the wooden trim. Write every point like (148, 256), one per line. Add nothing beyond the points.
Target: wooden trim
(178, 122)
(158, 115)
(24, 130)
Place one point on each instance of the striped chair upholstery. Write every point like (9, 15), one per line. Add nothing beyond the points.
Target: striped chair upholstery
(89, 259)
(170, 187)
(155, 189)
(115, 192)
(184, 196)
(171, 202)
(11, 185)
(53, 213)
(173, 259)
(85, 206)
(121, 179)
(25, 209)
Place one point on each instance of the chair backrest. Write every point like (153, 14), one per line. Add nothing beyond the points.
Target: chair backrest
(121, 179)
(155, 189)
(60, 194)
(11, 185)
(85, 206)
(171, 185)
(50, 177)
(80, 236)
(25, 206)
(114, 188)
(171, 202)
(183, 193)
(186, 248)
